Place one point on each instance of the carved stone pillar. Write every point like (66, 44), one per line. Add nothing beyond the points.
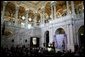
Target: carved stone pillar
(73, 9)
(16, 15)
(68, 10)
(35, 20)
(26, 19)
(82, 9)
(70, 37)
(53, 10)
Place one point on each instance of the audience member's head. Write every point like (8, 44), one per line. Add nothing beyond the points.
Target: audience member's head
(23, 51)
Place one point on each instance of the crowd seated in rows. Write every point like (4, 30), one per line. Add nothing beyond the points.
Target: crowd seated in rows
(23, 51)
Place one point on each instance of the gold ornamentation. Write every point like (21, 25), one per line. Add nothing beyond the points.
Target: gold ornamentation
(8, 32)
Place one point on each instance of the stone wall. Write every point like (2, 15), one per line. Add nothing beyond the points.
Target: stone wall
(19, 35)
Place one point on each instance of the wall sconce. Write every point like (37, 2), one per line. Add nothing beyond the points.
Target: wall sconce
(29, 26)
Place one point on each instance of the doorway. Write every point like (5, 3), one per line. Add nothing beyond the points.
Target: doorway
(81, 37)
(46, 38)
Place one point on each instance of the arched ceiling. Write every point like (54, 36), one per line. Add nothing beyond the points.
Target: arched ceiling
(48, 8)
(31, 14)
(35, 7)
(78, 3)
(60, 7)
(21, 11)
(38, 17)
(10, 7)
(9, 11)
(30, 4)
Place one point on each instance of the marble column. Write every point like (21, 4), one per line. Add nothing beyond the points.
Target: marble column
(42, 38)
(71, 32)
(68, 34)
(71, 36)
(41, 18)
(51, 34)
(26, 21)
(52, 12)
(68, 10)
(42, 34)
(82, 9)
(43, 13)
(16, 15)
(75, 35)
(73, 9)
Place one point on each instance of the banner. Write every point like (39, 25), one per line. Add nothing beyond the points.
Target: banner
(59, 40)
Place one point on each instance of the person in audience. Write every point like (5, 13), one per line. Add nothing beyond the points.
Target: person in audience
(24, 51)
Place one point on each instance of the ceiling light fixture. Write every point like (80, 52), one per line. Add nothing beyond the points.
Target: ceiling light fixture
(5, 1)
(30, 19)
(83, 7)
(29, 26)
(22, 24)
(52, 1)
(23, 17)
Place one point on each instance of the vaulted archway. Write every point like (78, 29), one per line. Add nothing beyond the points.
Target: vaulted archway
(60, 39)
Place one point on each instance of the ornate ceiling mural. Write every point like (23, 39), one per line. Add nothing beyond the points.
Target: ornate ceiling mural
(31, 14)
(60, 8)
(10, 7)
(9, 11)
(8, 32)
(78, 6)
(36, 7)
(21, 11)
(35, 2)
(38, 17)
(48, 8)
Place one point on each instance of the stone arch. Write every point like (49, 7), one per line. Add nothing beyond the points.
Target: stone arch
(60, 35)
(60, 27)
(60, 31)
